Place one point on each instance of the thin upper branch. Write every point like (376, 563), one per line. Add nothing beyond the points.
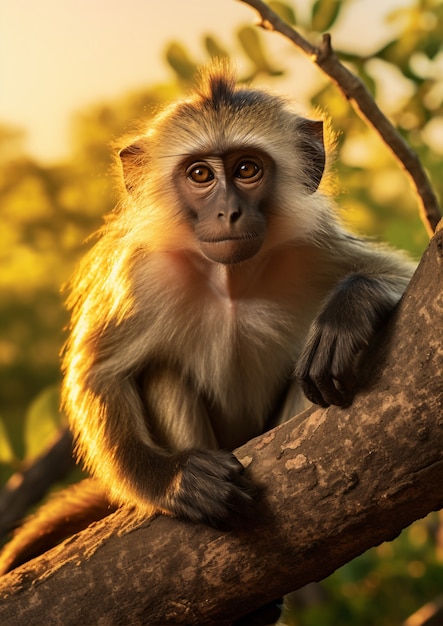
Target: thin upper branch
(355, 91)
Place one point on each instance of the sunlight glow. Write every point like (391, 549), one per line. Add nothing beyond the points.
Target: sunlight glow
(57, 57)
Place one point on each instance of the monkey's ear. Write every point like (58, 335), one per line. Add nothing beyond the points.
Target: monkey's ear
(131, 157)
(312, 148)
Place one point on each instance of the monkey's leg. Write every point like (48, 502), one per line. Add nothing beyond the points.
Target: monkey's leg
(293, 403)
(177, 416)
(207, 483)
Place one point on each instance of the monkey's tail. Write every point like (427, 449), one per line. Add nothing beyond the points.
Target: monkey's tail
(65, 514)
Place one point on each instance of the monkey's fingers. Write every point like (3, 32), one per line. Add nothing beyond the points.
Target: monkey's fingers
(325, 369)
(313, 369)
(344, 367)
(211, 488)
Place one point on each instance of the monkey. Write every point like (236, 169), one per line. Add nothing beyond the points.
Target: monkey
(223, 296)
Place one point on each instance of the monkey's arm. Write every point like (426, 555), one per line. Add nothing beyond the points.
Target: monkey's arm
(350, 316)
(123, 439)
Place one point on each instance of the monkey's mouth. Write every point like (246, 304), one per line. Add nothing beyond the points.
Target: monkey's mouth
(231, 249)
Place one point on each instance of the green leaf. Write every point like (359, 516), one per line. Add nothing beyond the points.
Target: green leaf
(180, 61)
(431, 46)
(368, 80)
(43, 421)
(6, 452)
(214, 50)
(284, 11)
(253, 48)
(325, 13)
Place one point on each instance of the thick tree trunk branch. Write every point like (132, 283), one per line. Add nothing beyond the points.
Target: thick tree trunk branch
(355, 91)
(333, 482)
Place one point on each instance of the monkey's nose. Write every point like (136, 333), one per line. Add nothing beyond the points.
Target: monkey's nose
(230, 215)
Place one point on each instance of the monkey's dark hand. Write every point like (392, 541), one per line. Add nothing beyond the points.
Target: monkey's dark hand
(211, 488)
(350, 317)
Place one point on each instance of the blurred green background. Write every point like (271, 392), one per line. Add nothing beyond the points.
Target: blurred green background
(47, 213)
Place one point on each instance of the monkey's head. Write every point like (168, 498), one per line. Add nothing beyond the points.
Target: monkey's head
(228, 161)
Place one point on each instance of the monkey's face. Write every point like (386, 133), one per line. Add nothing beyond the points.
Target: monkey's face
(225, 198)
(219, 172)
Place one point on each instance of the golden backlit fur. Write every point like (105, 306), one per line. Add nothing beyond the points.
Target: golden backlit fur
(145, 298)
(172, 354)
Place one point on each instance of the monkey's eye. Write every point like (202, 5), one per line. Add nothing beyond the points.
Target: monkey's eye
(200, 173)
(248, 171)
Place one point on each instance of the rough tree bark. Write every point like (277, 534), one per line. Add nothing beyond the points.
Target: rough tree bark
(333, 482)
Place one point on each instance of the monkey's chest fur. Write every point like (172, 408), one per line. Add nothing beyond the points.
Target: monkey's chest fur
(230, 335)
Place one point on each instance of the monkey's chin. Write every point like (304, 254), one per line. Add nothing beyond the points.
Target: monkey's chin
(228, 251)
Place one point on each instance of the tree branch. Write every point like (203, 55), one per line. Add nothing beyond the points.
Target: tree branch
(26, 488)
(333, 482)
(355, 91)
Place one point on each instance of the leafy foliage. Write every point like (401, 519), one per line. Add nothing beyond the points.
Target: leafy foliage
(284, 11)
(325, 13)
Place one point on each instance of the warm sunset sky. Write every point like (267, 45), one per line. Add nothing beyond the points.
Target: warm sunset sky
(57, 56)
